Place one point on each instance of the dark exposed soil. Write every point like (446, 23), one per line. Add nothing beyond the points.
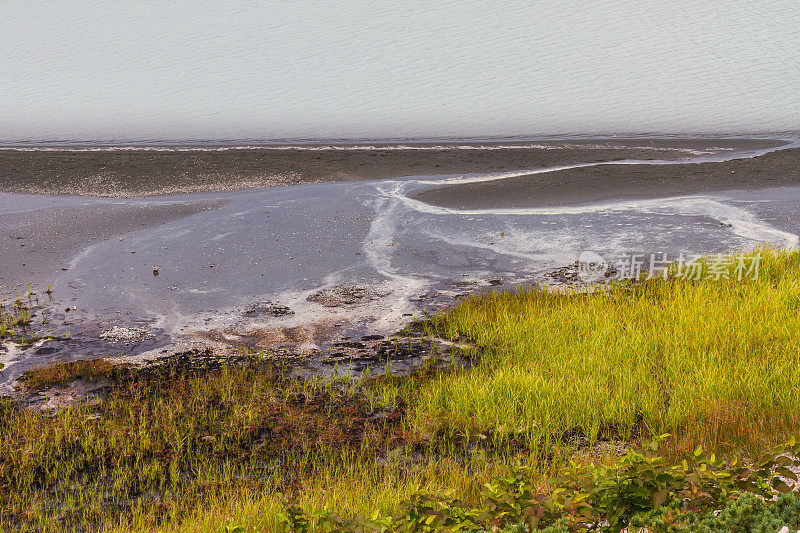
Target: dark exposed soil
(593, 184)
(140, 172)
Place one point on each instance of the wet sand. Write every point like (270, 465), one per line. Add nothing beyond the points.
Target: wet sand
(248, 267)
(134, 172)
(600, 183)
(40, 242)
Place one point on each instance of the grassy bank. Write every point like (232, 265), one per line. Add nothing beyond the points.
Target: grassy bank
(715, 362)
(551, 377)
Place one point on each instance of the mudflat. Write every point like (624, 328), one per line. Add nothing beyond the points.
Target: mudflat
(610, 182)
(41, 241)
(133, 172)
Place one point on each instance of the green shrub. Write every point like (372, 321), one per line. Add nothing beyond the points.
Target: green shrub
(745, 514)
(700, 494)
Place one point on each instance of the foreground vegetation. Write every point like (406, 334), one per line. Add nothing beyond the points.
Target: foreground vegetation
(713, 362)
(555, 387)
(639, 491)
(17, 318)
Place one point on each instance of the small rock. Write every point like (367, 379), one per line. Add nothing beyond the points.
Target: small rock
(155, 271)
(269, 308)
(343, 295)
(122, 334)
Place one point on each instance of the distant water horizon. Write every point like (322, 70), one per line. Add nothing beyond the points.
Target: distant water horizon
(194, 69)
(385, 141)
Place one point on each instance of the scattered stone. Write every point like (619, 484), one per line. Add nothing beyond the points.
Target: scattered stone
(343, 295)
(122, 334)
(155, 271)
(425, 296)
(350, 344)
(379, 414)
(46, 350)
(269, 308)
(568, 275)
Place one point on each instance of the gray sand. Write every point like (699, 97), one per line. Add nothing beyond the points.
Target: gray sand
(143, 172)
(35, 244)
(222, 270)
(40, 242)
(620, 182)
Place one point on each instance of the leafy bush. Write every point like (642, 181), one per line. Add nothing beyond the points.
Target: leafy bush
(701, 494)
(747, 513)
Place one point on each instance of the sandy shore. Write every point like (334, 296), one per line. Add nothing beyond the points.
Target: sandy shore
(146, 172)
(40, 242)
(620, 182)
(37, 242)
(259, 267)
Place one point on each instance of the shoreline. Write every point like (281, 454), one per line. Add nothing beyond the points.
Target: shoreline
(567, 379)
(549, 395)
(129, 172)
(261, 268)
(595, 184)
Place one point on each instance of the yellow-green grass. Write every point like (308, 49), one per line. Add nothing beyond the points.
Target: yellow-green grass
(62, 374)
(189, 449)
(714, 362)
(157, 445)
(359, 488)
(16, 317)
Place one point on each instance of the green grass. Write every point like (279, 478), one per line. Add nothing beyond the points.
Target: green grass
(713, 362)
(168, 441)
(183, 448)
(17, 317)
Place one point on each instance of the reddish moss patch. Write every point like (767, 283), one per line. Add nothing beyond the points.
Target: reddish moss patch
(64, 373)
